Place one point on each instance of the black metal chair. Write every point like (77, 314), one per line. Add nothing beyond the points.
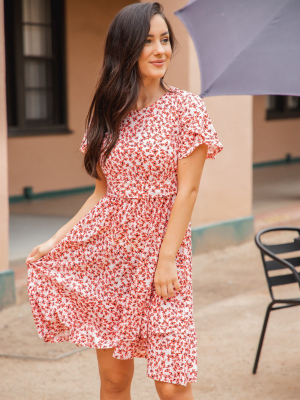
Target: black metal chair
(278, 263)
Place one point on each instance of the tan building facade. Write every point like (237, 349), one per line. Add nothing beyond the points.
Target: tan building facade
(51, 162)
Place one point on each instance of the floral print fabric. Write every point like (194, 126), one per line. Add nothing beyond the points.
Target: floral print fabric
(95, 287)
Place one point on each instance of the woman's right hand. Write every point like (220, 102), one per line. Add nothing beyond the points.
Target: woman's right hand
(40, 250)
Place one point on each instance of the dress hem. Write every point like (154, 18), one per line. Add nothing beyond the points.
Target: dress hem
(159, 378)
(70, 339)
(133, 355)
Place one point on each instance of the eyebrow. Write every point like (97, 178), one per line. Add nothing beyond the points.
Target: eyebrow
(165, 33)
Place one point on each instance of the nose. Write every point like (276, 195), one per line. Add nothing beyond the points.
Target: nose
(159, 48)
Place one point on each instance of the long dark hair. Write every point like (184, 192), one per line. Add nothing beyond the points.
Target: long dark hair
(119, 80)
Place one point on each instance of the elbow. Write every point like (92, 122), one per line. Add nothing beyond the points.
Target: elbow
(190, 192)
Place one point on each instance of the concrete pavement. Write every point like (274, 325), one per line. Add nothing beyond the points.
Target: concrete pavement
(230, 298)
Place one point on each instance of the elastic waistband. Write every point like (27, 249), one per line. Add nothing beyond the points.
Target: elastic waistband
(137, 189)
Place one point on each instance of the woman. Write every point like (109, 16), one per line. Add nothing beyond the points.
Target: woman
(118, 276)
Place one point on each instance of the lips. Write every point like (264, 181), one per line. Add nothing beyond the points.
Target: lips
(157, 62)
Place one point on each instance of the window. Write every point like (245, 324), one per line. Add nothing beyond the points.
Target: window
(283, 107)
(35, 73)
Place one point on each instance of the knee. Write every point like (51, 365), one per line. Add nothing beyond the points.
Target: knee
(170, 391)
(115, 383)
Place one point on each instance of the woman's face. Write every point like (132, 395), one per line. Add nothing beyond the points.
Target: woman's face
(157, 48)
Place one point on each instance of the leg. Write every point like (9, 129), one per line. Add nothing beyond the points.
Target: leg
(261, 340)
(172, 391)
(115, 376)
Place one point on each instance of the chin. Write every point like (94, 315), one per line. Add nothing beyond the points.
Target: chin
(157, 76)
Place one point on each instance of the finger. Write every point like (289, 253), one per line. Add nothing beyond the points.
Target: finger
(31, 256)
(158, 289)
(176, 284)
(164, 291)
(170, 289)
(36, 256)
(33, 251)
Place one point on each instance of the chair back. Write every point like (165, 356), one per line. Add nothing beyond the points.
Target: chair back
(279, 263)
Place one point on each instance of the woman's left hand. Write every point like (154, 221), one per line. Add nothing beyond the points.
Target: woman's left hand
(165, 277)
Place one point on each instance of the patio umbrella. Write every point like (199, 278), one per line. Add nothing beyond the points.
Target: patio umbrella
(247, 47)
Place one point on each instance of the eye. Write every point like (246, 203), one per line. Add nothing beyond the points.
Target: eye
(165, 40)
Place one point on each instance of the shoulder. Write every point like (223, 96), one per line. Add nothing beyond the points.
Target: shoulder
(189, 106)
(187, 101)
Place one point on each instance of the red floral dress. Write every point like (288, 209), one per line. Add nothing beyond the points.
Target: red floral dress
(95, 287)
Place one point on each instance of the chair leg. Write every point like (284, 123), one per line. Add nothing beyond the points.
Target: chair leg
(269, 309)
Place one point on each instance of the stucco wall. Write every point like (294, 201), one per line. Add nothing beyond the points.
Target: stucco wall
(53, 162)
(4, 215)
(226, 183)
(273, 139)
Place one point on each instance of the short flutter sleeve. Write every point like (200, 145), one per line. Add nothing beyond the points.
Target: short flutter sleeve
(196, 128)
(83, 145)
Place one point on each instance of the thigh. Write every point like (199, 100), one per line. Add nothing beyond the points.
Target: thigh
(112, 369)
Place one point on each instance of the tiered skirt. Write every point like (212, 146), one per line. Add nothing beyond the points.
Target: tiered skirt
(95, 288)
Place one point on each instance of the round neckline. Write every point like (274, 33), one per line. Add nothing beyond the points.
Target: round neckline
(136, 111)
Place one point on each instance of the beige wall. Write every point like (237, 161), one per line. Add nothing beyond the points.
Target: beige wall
(4, 215)
(54, 162)
(273, 139)
(226, 183)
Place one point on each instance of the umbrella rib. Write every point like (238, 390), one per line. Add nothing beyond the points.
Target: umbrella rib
(240, 51)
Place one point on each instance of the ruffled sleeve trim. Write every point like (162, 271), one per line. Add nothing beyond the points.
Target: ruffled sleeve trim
(196, 127)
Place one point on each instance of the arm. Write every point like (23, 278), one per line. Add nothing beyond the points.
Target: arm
(189, 173)
(44, 248)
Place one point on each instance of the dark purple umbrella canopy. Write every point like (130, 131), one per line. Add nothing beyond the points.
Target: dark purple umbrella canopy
(246, 47)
